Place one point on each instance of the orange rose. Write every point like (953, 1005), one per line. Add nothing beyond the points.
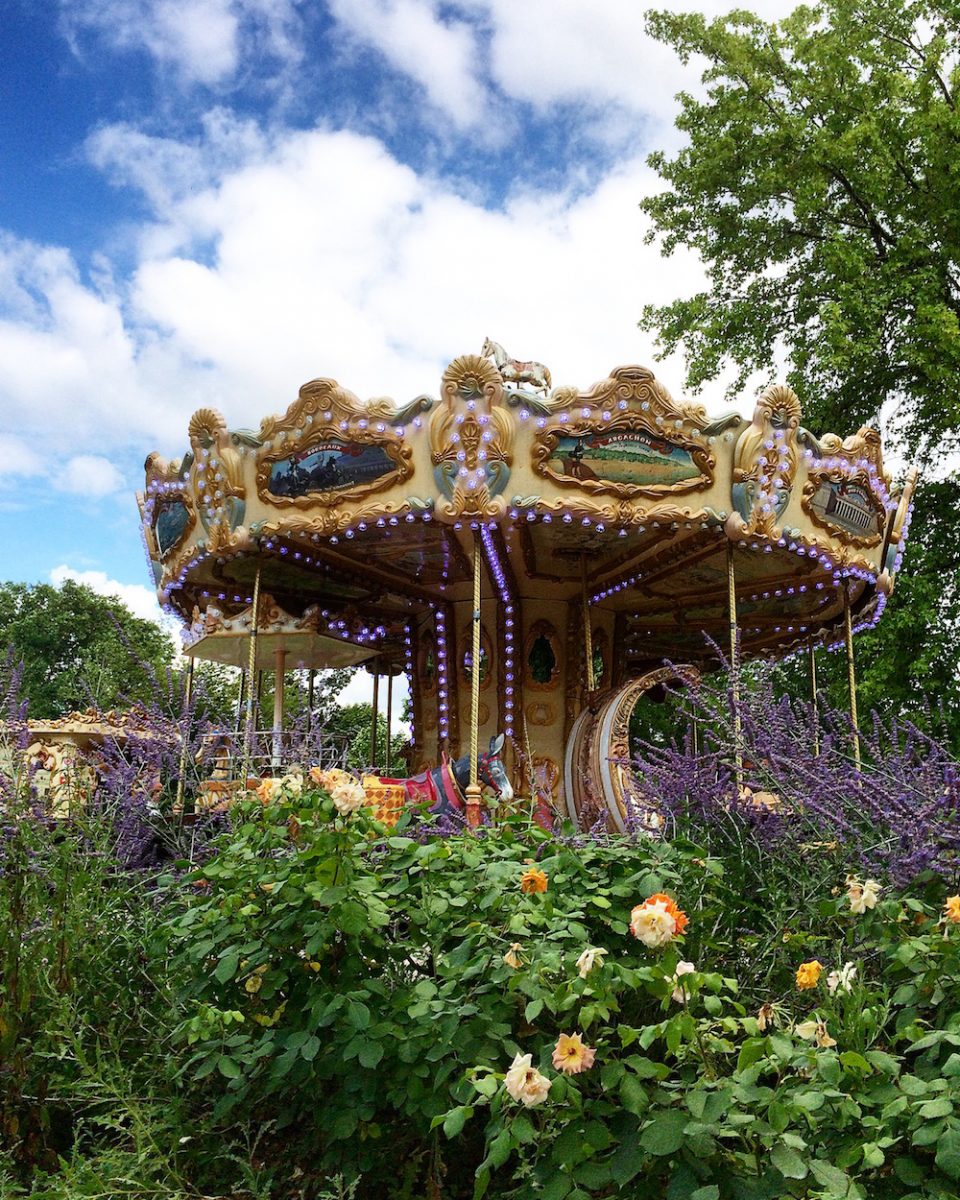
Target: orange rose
(533, 880)
(657, 920)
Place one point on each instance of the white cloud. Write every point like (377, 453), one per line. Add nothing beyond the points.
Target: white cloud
(17, 458)
(202, 41)
(541, 52)
(301, 254)
(440, 53)
(142, 601)
(89, 475)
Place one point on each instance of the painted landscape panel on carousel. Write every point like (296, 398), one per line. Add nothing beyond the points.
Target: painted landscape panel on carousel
(846, 506)
(330, 466)
(629, 456)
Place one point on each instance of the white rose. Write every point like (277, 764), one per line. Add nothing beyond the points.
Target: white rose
(348, 796)
(683, 968)
(592, 957)
(525, 1083)
(652, 924)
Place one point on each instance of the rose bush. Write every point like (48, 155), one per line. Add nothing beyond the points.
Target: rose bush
(511, 1014)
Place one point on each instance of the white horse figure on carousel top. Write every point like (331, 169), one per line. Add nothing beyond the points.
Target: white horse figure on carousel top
(512, 370)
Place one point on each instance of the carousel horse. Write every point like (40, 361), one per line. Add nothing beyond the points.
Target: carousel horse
(442, 789)
(512, 370)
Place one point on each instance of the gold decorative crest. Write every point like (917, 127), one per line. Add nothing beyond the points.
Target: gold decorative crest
(765, 463)
(327, 416)
(840, 495)
(632, 412)
(471, 436)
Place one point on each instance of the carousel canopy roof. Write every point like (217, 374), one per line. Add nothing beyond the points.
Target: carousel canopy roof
(361, 515)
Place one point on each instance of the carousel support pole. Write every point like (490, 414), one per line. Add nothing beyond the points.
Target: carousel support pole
(311, 682)
(278, 677)
(814, 708)
(258, 713)
(184, 732)
(587, 629)
(375, 718)
(251, 668)
(474, 791)
(389, 718)
(241, 698)
(851, 677)
(734, 672)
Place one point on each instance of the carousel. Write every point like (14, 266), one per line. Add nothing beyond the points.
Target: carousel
(532, 558)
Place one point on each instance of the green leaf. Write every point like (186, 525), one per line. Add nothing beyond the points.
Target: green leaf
(311, 1048)
(521, 1127)
(358, 1015)
(828, 1068)
(499, 1150)
(227, 1067)
(370, 1054)
(909, 1171)
(532, 1011)
(752, 1050)
(629, 1159)
(633, 1095)
(830, 1177)
(788, 1162)
(664, 1134)
(556, 1188)
(884, 1063)
(226, 968)
(646, 1068)
(778, 1116)
(455, 1120)
(941, 1107)
(710, 1192)
(948, 1154)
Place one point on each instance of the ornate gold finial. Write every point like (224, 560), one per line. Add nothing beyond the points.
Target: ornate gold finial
(765, 463)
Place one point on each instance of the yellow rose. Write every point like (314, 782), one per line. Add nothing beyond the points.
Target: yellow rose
(808, 974)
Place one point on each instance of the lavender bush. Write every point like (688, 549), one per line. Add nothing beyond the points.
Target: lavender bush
(896, 816)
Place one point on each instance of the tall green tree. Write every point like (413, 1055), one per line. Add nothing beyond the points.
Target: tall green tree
(79, 648)
(819, 184)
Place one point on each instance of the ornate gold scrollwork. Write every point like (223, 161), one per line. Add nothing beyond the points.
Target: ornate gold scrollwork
(622, 512)
(765, 464)
(824, 502)
(325, 412)
(635, 403)
(329, 521)
(860, 447)
(471, 437)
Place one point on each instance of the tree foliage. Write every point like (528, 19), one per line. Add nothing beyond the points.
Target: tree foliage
(79, 648)
(819, 185)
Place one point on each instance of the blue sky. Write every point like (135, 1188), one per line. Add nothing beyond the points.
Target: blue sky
(208, 202)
